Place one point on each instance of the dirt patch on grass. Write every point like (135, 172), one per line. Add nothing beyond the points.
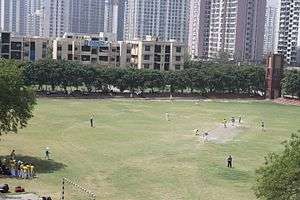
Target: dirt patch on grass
(222, 135)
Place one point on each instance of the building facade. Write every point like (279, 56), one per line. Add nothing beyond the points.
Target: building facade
(23, 48)
(114, 18)
(95, 49)
(158, 55)
(33, 13)
(271, 30)
(199, 22)
(13, 16)
(104, 51)
(237, 29)
(288, 36)
(22, 17)
(164, 19)
(86, 16)
(55, 18)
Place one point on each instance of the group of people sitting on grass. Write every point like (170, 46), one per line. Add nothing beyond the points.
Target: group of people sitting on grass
(18, 169)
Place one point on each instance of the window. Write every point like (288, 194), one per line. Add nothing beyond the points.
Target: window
(177, 67)
(32, 46)
(167, 58)
(95, 51)
(70, 47)
(85, 58)
(128, 51)
(167, 67)
(157, 49)
(15, 55)
(146, 57)
(103, 58)
(102, 49)
(156, 66)
(178, 49)
(147, 48)
(94, 60)
(5, 37)
(58, 48)
(5, 49)
(146, 66)
(5, 56)
(157, 58)
(85, 48)
(70, 57)
(168, 49)
(178, 58)
(16, 46)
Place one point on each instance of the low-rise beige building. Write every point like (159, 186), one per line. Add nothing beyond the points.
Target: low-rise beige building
(152, 53)
(99, 50)
(105, 51)
(24, 48)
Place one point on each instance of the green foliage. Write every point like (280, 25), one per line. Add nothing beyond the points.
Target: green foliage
(16, 100)
(279, 179)
(199, 77)
(291, 83)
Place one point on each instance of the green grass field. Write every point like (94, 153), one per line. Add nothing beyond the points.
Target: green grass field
(134, 153)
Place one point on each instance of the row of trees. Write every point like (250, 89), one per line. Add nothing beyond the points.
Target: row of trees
(291, 83)
(16, 99)
(198, 77)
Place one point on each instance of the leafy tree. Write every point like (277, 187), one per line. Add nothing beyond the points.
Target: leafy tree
(279, 178)
(291, 82)
(89, 78)
(16, 99)
(212, 77)
(152, 79)
(133, 79)
(176, 80)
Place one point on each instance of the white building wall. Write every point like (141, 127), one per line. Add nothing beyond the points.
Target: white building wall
(55, 17)
(165, 19)
(270, 29)
(288, 36)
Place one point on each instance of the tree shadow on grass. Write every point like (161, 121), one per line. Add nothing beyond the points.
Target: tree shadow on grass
(41, 165)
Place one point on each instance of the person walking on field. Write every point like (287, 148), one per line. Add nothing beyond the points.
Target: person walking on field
(225, 123)
(167, 117)
(13, 155)
(240, 119)
(229, 162)
(47, 153)
(232, 121)
(205, 137)
(92, 121)
(262, 125)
